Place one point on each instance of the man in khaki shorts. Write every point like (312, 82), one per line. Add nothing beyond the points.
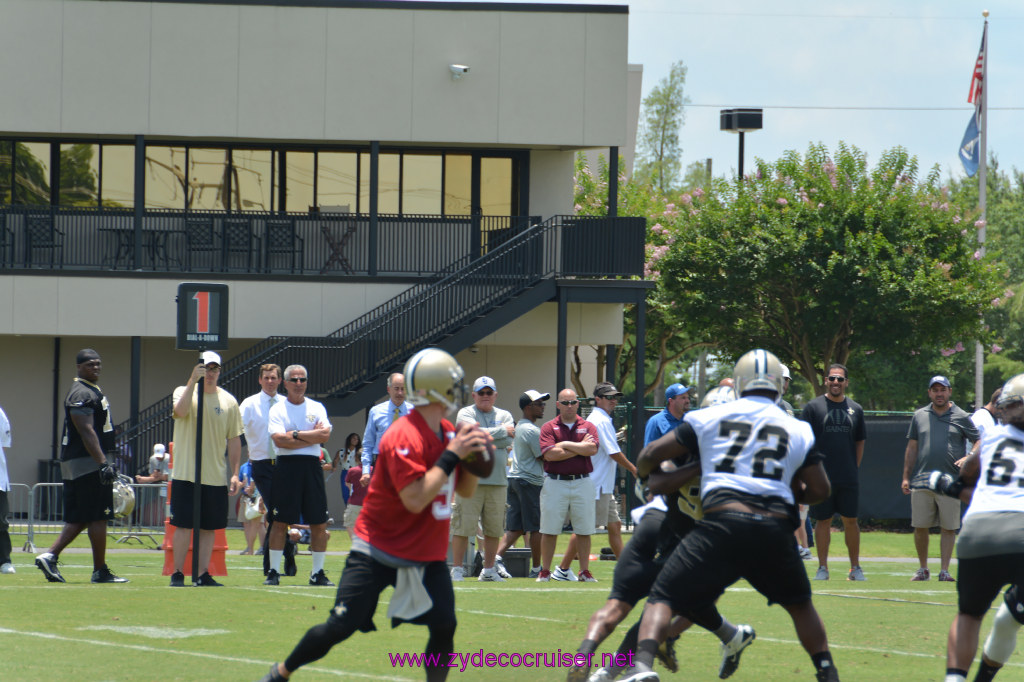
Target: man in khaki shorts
(487, 505)
(936, 441)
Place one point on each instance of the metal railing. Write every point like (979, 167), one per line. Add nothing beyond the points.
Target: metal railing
(74, 239)
(380, 340)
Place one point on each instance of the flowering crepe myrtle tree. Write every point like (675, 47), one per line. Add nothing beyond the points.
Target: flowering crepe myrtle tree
(817, 256)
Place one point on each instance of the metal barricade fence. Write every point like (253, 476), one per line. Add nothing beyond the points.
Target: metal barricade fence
(45, 514)
(18, 504)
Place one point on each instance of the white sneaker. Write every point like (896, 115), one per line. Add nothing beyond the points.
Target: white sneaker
(499, 566)
(805, 553)
(731, 651)
(458, 575)
(566, 575)
(489, 575)
(822, 573)
(7, 568)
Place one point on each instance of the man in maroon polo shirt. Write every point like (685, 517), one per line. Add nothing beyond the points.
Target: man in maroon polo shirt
(567, 442)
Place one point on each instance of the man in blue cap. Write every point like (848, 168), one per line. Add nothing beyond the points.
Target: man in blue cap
(677, 402)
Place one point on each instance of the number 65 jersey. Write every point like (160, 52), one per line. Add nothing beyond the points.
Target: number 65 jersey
(1000, 484)
(748, 448)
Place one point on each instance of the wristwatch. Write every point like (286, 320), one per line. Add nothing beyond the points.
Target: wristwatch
(295, 435)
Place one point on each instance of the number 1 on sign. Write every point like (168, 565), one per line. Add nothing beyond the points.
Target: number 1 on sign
(202, 299)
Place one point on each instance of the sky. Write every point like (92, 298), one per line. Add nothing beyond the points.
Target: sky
(872, 74)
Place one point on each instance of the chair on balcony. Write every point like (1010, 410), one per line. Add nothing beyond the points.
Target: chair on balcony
(42, 234)
(236, 239)
(338, 244)
(199, 238)
(6, 243)
(280, 240)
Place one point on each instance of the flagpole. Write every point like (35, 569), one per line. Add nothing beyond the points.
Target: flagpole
(979, 353)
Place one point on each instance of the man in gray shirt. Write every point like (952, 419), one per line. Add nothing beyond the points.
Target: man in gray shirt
(525, 480)
(487, 505)
(936, 441)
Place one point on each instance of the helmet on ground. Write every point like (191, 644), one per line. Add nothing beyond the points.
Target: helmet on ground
(124, 496)
(719, 395)
(757, 370)
(1013, 392)
(434, 376)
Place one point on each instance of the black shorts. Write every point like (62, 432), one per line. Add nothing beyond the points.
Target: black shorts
(842, 501)
(263, 477)
(364, 579)
(523, 506)
(727, 546)
(979, 580)
(213, 514)
(299, 493)
(86, 499)
(636, 569)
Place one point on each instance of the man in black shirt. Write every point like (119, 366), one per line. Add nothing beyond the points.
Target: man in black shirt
(86, 471)
(839, 433)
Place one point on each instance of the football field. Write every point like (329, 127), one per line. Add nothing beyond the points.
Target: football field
(887, 628)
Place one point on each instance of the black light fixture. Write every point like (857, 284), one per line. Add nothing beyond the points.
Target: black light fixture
(741, 121)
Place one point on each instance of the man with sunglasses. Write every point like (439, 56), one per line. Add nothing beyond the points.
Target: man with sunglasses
(486, 507)
(839, 433)
(298, 426)
(567, 442)
(222, 429)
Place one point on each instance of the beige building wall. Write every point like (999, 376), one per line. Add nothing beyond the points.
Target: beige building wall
(299, 73)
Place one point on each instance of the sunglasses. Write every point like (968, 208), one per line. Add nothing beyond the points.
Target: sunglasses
(837, 379)
(213, 368)
(485, 392)
(298, 380)
(568, 402)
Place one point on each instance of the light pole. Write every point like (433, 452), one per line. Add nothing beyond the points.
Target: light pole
(741, 121)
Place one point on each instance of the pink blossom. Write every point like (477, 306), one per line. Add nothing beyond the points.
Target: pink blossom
(977, 255)
(996, 348)
(686, 199)
(980, 223)
(781, 201)
(996, 301)
(959, 347)
(915, 352)
(946, 352)
(956, 220)
(577, 208)
(821, 205)
(1008, 293)
(698, 193)
(869, 352)
(669, 207)
(963, 233)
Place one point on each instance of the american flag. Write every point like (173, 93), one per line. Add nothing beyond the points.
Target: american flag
(979, 70)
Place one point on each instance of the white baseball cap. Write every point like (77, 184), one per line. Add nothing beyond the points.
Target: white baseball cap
(484, 382)
(209, 357)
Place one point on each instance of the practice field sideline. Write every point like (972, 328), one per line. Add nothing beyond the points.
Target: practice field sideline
(885, 628)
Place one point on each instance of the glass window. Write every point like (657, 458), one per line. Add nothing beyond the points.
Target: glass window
(251, 183)
(458, 184)
(5, 171)
(387, 187)
(421, 184)
(32, 173)
(496, 186)
(79, 174)
(298, 181)
(364, 183)
(118, 179)
(165, 177)
(207, 178)
(336, 181)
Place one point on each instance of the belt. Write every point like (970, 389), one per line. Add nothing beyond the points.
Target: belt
(568, 477)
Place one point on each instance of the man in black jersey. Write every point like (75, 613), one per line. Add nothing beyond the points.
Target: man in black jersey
(86, 471)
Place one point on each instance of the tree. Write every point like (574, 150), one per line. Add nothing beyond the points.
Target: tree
(815, 257)
(659, 132)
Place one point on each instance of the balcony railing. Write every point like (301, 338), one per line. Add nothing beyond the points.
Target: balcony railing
(330, 244)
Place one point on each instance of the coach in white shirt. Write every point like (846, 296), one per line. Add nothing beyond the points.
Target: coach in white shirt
(255, 420)
(298, 426)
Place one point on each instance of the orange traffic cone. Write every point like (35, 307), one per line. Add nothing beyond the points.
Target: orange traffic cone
(220, 547)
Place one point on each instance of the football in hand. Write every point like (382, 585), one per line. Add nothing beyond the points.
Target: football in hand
(481, 462)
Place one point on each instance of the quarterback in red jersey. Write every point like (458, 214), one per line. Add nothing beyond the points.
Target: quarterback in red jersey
(401, 536)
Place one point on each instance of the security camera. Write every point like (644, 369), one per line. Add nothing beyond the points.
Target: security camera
(457, 70)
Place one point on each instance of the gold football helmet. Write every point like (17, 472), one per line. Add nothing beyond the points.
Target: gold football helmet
(757, 369)
(434, 376)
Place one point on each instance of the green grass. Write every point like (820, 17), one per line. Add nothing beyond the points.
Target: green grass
(884, 629)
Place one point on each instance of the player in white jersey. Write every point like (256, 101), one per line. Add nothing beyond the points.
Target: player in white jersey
(990, 550)
(757, 463)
